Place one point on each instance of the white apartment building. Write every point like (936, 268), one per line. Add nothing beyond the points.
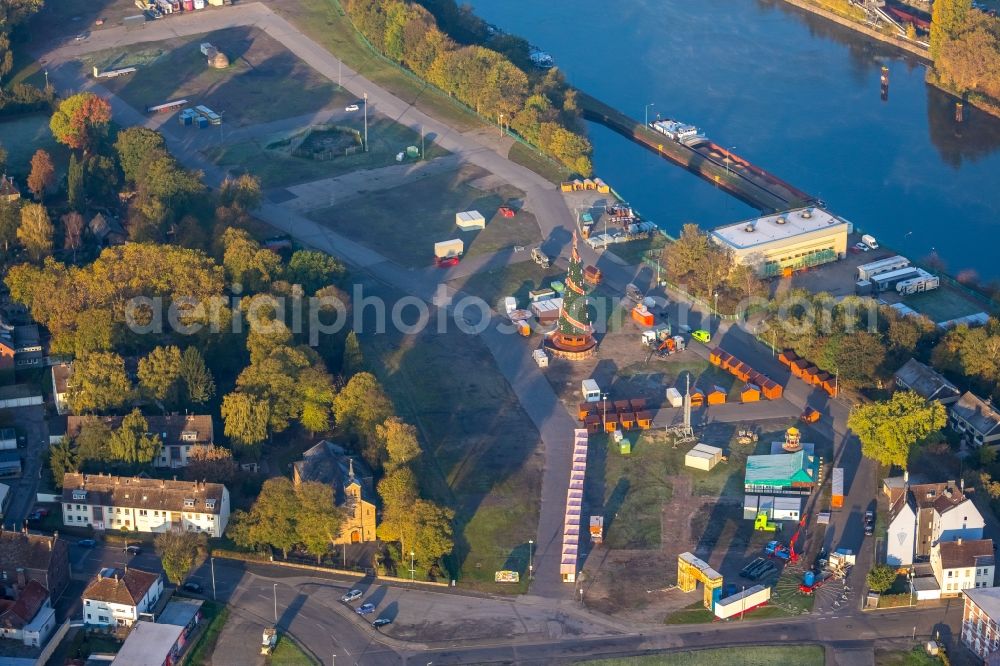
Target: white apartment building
(963, 565)
(981, 622)
(136, 504)
(120, 598)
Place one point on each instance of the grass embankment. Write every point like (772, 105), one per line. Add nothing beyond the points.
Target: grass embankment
(288, 653)
(761, 655)
(214, 618)
(325, 22)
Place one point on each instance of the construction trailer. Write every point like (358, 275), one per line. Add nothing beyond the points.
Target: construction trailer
(870, 270)
(590, 390)
(923, 282)
(674, 397)
(742, 602)
(775, 507)
(703, 457)
(470, 220)
(837, 488)
(547, 311)
(449, 248)
(542, 294)
(574, 509)
(207, 113)
(692, 570)
(888, 281)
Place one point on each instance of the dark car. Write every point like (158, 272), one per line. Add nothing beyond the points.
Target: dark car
(86, 543)
(132, 550)
(869, 523)
(365, 609)
(192, 586)
(381, 622)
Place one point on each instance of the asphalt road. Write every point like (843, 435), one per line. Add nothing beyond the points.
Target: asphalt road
(30, 422)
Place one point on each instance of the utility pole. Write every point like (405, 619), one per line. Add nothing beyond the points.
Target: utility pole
(275, 589)
(412, 570)
(501, 125)
(422, 143)
(213, 578)
(531, 568)
(366, 122)
(340, 67)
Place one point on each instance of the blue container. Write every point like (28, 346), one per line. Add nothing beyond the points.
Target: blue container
(809, 579)
(202, 122)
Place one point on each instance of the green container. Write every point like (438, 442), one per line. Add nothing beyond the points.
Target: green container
(412, 151)
(557, 287)
(625, 447)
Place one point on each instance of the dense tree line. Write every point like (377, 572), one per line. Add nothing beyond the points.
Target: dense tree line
(972, 354)
(19, 97)
(704, 268)
(539, 108)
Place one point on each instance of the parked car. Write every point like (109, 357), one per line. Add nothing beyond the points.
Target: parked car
(862, 247)
(132, 550)
(365, 609)
(701, 335)
(192, 586)
(351, 107)
(381, 622)
(869, 523)
(86, 543)
(352, 596)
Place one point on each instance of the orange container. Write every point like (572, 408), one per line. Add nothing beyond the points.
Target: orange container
(642, 315)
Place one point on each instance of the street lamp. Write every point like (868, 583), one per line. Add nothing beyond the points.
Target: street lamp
(275, 589)
(366, 122)
(333, 661)
(501, 125)
(604, 403)
(836, 382)
(531, 568)
(646, 112)
(715, 295)
(411, 566)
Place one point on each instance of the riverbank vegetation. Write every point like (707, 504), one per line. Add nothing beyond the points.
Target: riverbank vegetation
(965, 48)
(484, 69)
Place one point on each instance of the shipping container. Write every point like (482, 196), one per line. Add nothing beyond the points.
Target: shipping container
(837, 490)
(449, 248)
(674, 397)
(470, 220)
(188, 5)
(590, 390)
(742, 602)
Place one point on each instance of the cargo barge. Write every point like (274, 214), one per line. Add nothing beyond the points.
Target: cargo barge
(687, 146)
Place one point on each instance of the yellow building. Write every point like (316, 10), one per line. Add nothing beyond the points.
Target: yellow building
(784, 242)
(329, 463)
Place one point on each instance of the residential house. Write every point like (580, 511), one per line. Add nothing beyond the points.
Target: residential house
(924, 515)
(9, 192)
(61, 373)
(961, 565)
(179, 434)
(328, 463)
(28, 616)
(144, 505)
(34, 557)
(107, 232)
(151, 644)
(926, 382)
(981, 622)
(976, 418)
(120, 598)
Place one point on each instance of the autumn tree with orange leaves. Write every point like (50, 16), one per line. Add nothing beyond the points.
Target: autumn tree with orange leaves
(80, 121)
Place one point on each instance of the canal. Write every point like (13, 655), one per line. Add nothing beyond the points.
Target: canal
(791, 92)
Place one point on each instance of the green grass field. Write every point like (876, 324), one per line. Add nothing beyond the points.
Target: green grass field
(288, 653)
(943, 304)
(482, 454)
(22, 136)
(269, 161)
(263, 82)
(404, 222)
(915, 657)
(539, 163)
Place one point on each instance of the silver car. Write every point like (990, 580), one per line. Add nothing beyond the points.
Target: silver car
(353, 595)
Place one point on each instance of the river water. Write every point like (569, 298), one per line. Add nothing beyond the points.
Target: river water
(793, 93)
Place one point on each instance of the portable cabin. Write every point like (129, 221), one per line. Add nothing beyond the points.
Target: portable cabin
(622, 406)
(536, 295)
(593, 423)
(644, 420)
(449, 248)
(597, 529)
(703, 457)
(715, 356)
(770, 389)
(750, 393)
(626, 420)
(642, 315)
(602, 187)
(830, 386)
(809, 374)
(821, 378)
(741, 371)
(590, 390)
(611, 422)
(717, 396)
(787, 357)
(584, 409)
(697, 398)
(577, 185)
(566, 186)
(637, 404)
(674, 397)
(470, 220)
(729, 362)
(798, 366)
(589, 184)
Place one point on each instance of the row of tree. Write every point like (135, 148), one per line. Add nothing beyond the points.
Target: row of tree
(97, 447)
(480, 77)
(19, 97)
(973, 354)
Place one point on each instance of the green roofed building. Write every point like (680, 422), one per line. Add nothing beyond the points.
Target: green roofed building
(782, 473)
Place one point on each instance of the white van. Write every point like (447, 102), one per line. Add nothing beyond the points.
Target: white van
(870, 241)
